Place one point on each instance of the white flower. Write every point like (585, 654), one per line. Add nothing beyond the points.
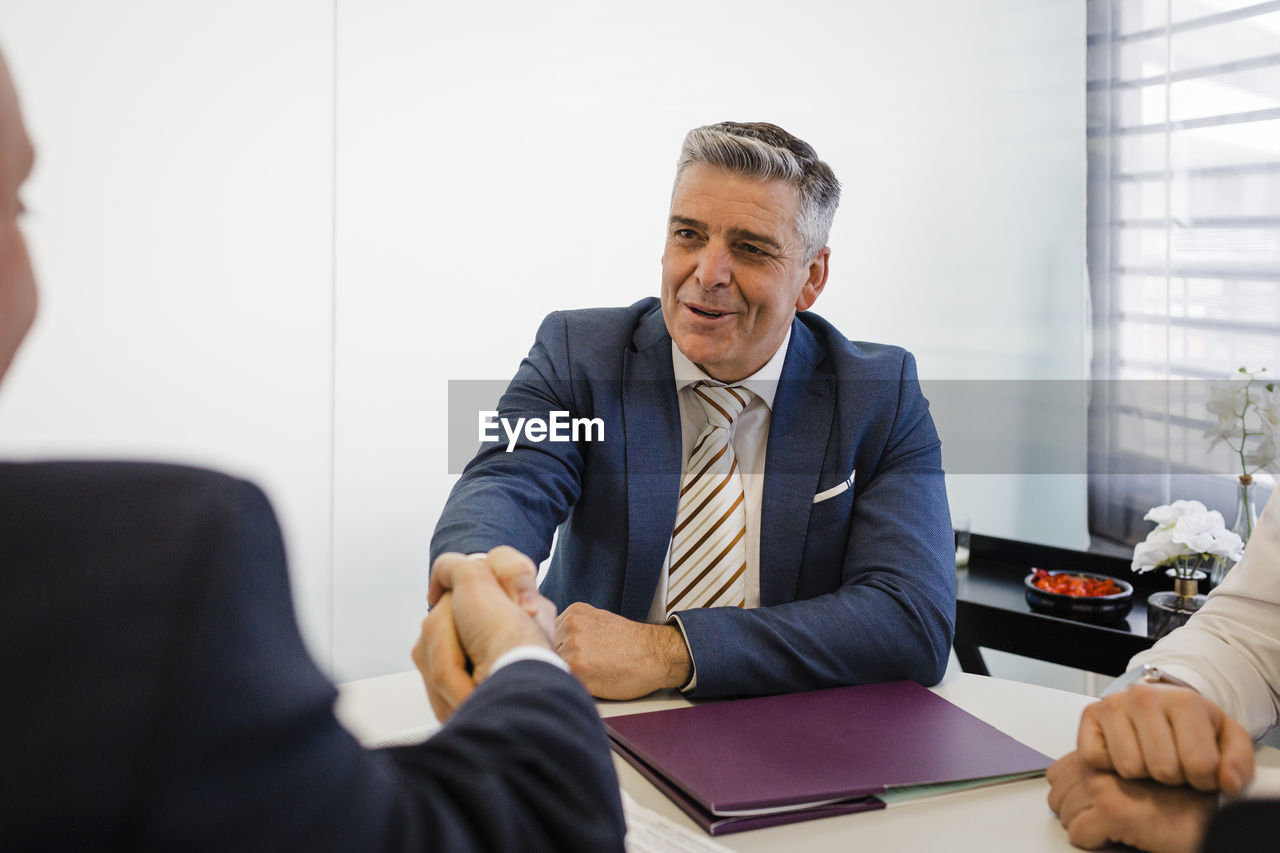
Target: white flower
(1248, 411)
(1270, 414)
(1263, 454)
(1229, 546)
(1199, 530)
(1168, 514)
(1156, 549)
(1185, 529)
(1228, 431)
(1226, 399)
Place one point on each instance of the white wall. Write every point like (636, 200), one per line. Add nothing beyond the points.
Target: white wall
(181, 228)
(268, 249)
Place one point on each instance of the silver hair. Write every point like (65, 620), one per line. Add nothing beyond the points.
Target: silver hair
(766, 152)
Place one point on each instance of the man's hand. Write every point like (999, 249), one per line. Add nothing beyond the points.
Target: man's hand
(475, 618)
(617, 658)
(516, 572)
(1167, 733)
(1098, 807)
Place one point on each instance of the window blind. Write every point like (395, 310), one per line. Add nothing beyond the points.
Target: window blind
(1183, 240)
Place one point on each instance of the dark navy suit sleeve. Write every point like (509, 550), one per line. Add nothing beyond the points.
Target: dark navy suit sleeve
(892, 614)
(170, 702)
(257, 759)
(523, 765)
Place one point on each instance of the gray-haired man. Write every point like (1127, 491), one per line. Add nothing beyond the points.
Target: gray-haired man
(765, 511)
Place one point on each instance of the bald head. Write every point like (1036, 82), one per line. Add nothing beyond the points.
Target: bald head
(17, 283)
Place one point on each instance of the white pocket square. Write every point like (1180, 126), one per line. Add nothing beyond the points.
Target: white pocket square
(835, 490)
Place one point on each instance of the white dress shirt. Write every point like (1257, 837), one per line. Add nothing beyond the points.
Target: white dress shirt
(1230, 649)
(750, 438)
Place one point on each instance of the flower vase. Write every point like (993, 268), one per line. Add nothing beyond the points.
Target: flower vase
(1246, 521)
(1167, 610)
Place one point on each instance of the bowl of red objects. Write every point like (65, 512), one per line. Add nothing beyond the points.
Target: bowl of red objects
(1079, 595)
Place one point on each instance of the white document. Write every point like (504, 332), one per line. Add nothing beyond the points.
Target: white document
(650, 832)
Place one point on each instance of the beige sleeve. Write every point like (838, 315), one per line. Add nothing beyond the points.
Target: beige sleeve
(1230, 649)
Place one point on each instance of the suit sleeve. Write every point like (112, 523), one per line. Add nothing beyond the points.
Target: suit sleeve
(519, 498)
(893, 614)
(527, 762)
(247, 754)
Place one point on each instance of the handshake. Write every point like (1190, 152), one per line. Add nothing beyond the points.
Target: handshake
(1149, 766)
(482, 607)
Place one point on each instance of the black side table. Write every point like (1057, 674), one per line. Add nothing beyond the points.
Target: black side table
(992, 609)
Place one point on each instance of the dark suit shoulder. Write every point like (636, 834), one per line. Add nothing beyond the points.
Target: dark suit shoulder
(99, 522)
(81, 489)
(608, 326)
(593, 343)
(110, 568)
(855, 359)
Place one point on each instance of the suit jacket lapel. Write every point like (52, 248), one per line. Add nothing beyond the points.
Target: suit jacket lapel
(651, 418)
(799, 430)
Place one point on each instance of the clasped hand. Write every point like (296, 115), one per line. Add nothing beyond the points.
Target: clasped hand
(483, 607)
(1167, 733)
(1148, 764)
(480, 609)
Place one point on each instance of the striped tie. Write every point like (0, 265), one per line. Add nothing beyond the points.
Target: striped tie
(708, 545)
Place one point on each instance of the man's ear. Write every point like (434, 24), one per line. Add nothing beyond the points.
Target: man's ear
(817, 280)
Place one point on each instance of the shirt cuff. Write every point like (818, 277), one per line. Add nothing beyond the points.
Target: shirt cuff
(1159, 675)
(528, 652)
(693, 664)
(1265, 784)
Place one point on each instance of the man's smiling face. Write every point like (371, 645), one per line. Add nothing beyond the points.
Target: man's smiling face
(734, 270)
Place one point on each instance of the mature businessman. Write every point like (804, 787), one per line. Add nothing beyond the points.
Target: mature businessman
(158, 695)
(765, 511)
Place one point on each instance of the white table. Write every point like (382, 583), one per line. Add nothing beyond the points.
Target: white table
(1011, 817)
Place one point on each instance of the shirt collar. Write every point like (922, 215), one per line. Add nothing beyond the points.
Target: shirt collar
(763, 383)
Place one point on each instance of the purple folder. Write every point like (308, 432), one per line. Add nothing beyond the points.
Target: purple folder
(748, 763)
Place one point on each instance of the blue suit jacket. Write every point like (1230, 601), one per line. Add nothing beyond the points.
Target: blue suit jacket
(856, 588)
